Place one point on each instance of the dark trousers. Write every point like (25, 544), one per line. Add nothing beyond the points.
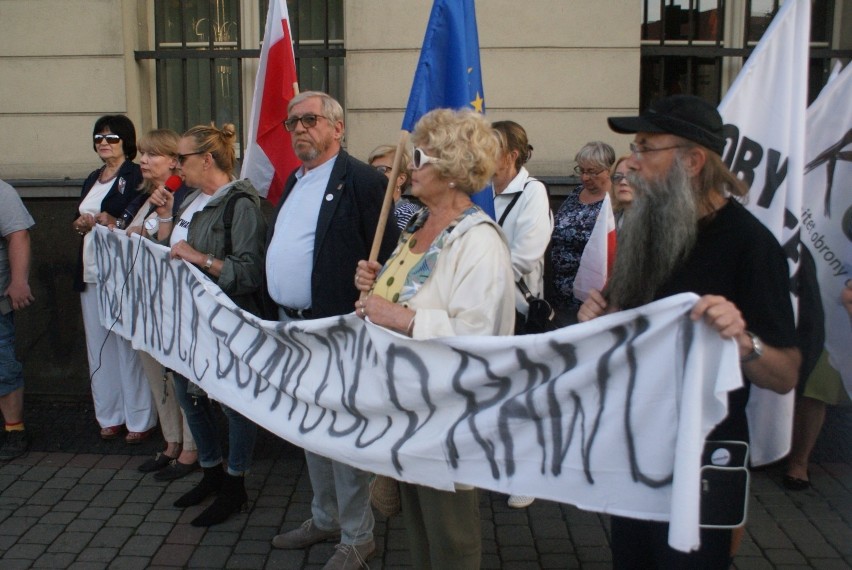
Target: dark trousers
(642, 545)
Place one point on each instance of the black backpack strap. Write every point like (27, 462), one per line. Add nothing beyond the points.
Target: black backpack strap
(514, 200)
(525, 291)
(228, 220)
(508, 209)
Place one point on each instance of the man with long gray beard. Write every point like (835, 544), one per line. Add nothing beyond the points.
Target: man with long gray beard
(686, 232)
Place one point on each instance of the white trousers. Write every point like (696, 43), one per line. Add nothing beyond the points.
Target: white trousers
(119, 386)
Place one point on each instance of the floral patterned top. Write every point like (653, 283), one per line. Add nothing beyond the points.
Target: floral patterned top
(572, 227)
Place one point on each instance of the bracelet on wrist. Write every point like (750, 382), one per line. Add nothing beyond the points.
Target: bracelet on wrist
(208, 263)
(410, 328)
(164, 220)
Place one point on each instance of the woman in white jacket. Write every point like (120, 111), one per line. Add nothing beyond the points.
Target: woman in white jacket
(449, 276)
(523, 211)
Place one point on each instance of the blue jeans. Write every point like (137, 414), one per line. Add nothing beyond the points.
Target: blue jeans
(201, 419)
(341, 499)
(11, 371)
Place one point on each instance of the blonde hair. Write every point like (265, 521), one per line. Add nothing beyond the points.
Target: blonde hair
(384, 150)
(162, 142)
(219, 143)
(616, 205)
(464, 144)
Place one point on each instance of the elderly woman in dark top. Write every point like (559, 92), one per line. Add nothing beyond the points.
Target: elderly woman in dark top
(574, 221)
(405, 206)
(119, 388)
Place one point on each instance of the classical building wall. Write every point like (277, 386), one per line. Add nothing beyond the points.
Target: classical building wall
(558, 68)
(63, 64)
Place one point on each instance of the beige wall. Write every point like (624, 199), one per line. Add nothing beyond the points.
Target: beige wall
(63, 63)
(559, 68)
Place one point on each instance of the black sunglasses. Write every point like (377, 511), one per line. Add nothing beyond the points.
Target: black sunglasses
(111, 139)
(308, 121)
(182, 157)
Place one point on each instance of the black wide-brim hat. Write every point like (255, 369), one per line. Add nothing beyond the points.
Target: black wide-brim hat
(685, 116)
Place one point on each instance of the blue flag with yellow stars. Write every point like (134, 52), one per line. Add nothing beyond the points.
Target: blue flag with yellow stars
(448, 73)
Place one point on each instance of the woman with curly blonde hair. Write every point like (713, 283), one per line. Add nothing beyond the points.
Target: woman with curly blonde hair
(450, 275)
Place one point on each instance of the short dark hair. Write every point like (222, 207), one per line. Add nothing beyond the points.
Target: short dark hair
(121, 126)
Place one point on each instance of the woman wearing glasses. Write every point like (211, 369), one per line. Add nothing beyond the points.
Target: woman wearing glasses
(450, 275)
(574, 221)
(120, 391)
(234, 260)
(381, 158)
(621, 192)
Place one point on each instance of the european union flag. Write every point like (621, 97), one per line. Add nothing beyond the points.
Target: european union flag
(448, 73)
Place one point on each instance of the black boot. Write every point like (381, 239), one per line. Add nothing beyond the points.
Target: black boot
(231, 499)
(209, 484)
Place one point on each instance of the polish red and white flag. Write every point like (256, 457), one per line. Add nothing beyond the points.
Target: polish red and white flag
(598, 255)
(269, 158)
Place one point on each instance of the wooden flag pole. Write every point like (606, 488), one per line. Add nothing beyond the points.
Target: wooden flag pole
(388, 201)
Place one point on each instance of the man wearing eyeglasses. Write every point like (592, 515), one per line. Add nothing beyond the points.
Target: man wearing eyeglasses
(323, 225)
(686, 232)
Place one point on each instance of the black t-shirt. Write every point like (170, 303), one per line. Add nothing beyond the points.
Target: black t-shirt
(735, 256)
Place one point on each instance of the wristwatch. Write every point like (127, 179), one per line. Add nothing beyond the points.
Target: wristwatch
(756, 348)
(152, 225)
(208, 263)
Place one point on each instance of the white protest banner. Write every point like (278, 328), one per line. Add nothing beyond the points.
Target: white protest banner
(609, 415)
(827, 211)
(764, 115)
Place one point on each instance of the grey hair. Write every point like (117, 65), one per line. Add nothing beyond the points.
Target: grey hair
(331, 109)
(597, 153)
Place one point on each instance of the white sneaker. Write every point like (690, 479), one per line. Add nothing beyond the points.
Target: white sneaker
(520, 501)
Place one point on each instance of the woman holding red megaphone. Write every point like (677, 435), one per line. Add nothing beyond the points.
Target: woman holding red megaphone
(158, 159)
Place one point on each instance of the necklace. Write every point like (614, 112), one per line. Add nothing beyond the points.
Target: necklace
(103, 170)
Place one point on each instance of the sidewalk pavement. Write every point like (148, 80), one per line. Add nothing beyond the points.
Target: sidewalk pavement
(77, 502)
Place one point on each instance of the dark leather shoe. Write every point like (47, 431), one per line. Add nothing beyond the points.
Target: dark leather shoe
(176, 470)
(159, 462)
(795, 484)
